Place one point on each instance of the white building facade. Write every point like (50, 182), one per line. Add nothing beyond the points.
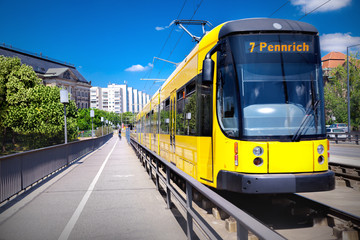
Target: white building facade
(118, 98)
(95, 98)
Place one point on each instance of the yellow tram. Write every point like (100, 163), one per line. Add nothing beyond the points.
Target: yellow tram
(244, 111)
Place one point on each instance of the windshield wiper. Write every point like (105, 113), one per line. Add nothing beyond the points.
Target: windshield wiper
(305, 121)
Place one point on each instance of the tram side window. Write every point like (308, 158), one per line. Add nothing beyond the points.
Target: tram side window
(143, 124)
(151, 114)
(148, 122)
(165, 116)
(204, 101)
(191, 110)
(186, 110)
(226, 97)
(154, 121)
(180, 123)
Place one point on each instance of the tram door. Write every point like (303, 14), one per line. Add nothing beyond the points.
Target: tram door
(172, 125)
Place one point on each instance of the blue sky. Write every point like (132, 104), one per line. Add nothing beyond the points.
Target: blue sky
(116, 41)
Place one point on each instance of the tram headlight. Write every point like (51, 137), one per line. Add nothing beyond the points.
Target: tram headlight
(321, 159)
(258, 151)
(320, 149)
(258, 161)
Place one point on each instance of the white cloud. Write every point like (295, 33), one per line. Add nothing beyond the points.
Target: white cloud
(338, 42)
(159, 28)
(309, 5)
(139, 68)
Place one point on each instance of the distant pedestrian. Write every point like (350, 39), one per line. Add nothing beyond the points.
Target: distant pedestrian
(120, 133)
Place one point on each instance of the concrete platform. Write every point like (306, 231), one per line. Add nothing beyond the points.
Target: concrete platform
(107, 195)
(345, 154)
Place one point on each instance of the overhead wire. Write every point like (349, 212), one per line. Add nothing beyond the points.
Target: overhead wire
(306, 14)
(181, 36)
(314, 9)
(198, 6)
(167, 39)
(280, 8)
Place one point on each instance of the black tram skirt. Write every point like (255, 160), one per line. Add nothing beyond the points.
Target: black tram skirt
(276, 183)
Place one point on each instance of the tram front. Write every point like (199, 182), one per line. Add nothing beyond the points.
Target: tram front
(269, 91)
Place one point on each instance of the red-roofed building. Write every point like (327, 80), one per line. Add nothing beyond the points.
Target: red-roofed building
(331, 61)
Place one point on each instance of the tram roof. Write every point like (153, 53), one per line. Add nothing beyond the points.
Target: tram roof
(265, 25)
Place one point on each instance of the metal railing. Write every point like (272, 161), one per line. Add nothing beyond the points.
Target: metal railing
(245, 223)
(352, 137)
(21, 170)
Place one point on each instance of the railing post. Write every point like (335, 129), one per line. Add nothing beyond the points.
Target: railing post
(242, 233)
(357, 139)
(168, 192)
(157, 174)
(150, 170)
(336, 138)
(142, 157)
(189, 219)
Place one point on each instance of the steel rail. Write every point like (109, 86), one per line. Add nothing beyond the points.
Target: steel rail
(342, 215)
(348, 176)
(347, 168)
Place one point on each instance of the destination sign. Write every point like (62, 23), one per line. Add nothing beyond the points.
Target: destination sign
(276, 47)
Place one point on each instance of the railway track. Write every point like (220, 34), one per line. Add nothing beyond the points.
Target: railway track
(346, 175)
(291, 215)
(344, 224)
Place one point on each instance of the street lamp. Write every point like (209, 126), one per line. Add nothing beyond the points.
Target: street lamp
(107, 127)
(92, 115)
(102, 126)
(64, 99)
(348, 85)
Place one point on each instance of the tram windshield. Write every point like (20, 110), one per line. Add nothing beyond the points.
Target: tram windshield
(277, 87)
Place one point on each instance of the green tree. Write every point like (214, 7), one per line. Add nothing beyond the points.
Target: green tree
(84, 119)
(335, 92)
(29, 110)
(127, 117)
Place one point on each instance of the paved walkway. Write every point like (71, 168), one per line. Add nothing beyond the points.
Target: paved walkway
(106, 195)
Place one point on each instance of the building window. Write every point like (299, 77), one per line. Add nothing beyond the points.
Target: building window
(66, 75)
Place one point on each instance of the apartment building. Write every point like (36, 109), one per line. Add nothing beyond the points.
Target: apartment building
(118, 98)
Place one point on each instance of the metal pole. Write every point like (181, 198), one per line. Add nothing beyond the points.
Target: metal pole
(92, 127)
(242, 232)
(65, 124)
(168, 192)
(348, 85)
(189, 219)
(348, 90)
